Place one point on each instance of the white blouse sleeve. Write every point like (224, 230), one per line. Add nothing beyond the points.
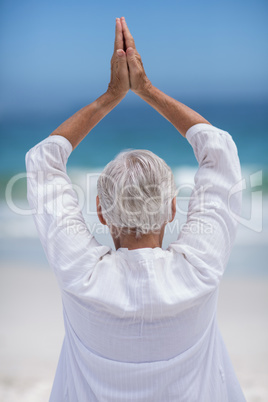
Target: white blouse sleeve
(70, 248)
(208, 235)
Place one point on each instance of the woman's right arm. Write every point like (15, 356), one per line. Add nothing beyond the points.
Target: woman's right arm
(208, 235)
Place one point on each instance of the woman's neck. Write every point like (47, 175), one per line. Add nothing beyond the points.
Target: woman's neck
(150, 240)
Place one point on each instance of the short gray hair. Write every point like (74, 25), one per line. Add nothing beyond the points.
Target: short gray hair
(136, 191)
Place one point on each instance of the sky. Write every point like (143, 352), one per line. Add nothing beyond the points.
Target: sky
(56, 54)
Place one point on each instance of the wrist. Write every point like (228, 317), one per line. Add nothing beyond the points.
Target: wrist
(108, 101)
(114, 94)
(145, 89)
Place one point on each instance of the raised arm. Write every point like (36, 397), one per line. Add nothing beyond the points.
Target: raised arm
(70, 248)
(206, 239)
(180, 115)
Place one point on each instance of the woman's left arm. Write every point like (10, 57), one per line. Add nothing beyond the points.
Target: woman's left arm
(70, 248)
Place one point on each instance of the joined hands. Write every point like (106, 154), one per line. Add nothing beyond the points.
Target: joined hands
(127, 71)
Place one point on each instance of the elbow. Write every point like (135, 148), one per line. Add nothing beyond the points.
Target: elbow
(30, 160)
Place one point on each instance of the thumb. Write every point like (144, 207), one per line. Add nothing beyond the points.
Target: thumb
(121, 55)
(131, 56)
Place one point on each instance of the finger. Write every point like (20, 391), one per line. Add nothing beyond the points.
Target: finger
(127, 35)
(118, 42)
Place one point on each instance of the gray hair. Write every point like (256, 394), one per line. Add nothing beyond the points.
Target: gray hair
(136, 191)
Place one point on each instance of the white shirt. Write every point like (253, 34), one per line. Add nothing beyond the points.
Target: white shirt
(140, 325)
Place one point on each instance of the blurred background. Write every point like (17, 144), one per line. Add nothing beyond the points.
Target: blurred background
(55, 59)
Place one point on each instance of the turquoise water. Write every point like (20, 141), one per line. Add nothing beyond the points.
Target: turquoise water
(139, 126)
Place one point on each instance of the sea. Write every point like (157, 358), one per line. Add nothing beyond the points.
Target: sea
(140, 127)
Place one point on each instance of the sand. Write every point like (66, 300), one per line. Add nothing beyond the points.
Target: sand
(31, 332)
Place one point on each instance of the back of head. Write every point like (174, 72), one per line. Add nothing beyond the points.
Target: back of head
(136, 191)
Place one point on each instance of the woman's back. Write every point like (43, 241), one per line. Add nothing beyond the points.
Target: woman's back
(143, 328)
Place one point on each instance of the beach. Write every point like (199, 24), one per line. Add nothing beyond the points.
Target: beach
(32, 332)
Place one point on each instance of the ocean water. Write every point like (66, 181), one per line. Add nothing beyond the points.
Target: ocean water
(137, 126)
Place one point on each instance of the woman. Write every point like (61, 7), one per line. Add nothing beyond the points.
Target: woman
(140, 322)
